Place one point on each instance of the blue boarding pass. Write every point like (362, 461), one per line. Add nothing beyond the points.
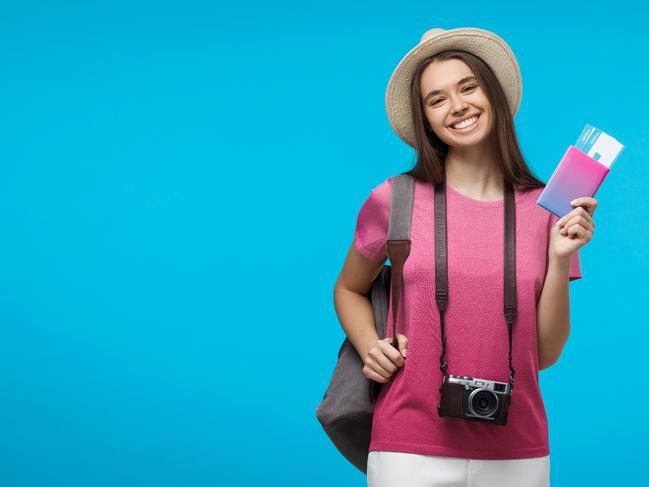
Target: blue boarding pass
(599, 145)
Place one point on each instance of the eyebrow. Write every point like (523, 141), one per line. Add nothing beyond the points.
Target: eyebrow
(437, 92)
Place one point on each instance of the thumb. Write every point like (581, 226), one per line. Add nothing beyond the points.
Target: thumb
(403, 343)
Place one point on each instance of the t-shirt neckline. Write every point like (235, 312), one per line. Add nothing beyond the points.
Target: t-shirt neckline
(472, 201)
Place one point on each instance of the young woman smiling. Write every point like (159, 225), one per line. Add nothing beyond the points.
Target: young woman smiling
(453, 99)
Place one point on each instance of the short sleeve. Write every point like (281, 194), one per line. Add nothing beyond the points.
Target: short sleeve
(575, 262)
(575, 267)
(371, 233)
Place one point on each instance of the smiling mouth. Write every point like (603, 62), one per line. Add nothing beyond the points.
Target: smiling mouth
(467, 128)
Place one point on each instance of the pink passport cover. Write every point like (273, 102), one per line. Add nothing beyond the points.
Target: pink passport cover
(576, 175)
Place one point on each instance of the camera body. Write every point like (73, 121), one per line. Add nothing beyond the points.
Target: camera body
(475, 399)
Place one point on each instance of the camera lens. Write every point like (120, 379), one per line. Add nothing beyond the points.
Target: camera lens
(483, 402)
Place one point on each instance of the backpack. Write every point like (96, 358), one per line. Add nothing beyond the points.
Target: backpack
(347, 406)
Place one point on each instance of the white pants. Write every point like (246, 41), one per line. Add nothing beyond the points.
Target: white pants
(396, 469)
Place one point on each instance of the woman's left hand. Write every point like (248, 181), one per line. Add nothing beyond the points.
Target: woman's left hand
(573, 230)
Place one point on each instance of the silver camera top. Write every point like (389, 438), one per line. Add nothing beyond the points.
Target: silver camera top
(492, 385)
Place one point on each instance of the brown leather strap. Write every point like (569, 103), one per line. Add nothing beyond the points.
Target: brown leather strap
(441, 266)
(398, 251)
(510, 268)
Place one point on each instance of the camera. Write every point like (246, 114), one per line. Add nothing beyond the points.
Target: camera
(475, 399)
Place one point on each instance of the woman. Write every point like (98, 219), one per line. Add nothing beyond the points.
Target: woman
(468, 77)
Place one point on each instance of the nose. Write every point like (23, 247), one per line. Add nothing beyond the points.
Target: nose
(458, 106)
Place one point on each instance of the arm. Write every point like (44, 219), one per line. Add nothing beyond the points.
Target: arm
(352, 305)
(553, 313)
(567, 235)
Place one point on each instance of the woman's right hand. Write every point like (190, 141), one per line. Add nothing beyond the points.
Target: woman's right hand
(383, 360)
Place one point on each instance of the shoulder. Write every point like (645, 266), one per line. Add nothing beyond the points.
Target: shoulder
(373, 221)
(383, 188)
(375, 209)
(380, 194)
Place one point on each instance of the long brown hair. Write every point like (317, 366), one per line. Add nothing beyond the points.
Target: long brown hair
(432, 152)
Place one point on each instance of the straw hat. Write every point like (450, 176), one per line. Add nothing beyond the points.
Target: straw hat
(492, 49)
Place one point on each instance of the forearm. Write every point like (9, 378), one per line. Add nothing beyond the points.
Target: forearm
(356, 316)
(553, 313)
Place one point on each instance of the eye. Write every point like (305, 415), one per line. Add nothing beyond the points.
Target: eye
(466, 88)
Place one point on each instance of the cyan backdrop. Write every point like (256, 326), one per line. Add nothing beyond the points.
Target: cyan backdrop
(179, 186)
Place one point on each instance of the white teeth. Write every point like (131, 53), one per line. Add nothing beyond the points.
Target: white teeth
(465, 123)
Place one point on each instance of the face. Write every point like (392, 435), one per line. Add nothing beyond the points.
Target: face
(446, 102)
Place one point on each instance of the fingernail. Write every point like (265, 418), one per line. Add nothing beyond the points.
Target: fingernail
(559, 221)
(404, 352)
(573, 202)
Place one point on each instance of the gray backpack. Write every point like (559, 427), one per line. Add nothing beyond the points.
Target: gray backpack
(346, 409)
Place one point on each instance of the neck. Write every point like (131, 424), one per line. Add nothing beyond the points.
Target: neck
(474, 173)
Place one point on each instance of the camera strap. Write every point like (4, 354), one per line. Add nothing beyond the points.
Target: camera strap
(441, 266)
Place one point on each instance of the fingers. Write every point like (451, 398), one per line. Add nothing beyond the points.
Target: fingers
(391, 354)
(577, 212)
(380, 358)
(374, 367)
(403, 343)
(383, 360)
(578, 230)
(577, 222)
(589, 203)
(578, 216)
(370, 374)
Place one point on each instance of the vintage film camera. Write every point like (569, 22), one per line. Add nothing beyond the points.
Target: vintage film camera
(475, 399)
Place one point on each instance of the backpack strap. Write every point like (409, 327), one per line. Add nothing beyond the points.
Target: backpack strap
(398, 246)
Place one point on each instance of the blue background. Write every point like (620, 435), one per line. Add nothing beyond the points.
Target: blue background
(179, 187)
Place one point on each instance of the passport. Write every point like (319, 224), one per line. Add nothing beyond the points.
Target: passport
(581, 170)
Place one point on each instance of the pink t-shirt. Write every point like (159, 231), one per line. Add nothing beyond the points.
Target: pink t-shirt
(405, 416)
